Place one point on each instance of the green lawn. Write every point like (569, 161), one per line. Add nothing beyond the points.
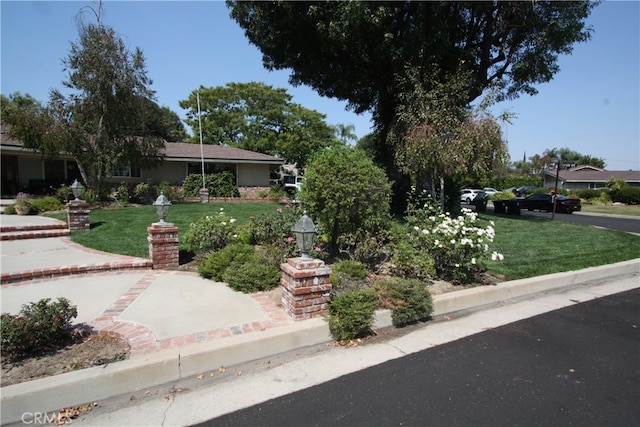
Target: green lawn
(632, 210)
(531, 246)
(538, 246)
(124, 230)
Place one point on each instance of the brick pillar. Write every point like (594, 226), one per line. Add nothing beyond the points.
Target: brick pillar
(78, 215)
(204, 195)
(163, 245)
(306, 288)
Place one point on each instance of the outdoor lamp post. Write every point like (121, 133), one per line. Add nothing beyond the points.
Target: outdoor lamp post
(305, 231)
(76, 189)
(162, 206)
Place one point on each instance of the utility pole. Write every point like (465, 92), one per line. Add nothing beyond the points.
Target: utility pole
(555, 192)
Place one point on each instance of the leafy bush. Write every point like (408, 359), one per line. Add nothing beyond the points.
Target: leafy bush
(64, 193)
(169, 191)
(411, 300)
(9, 209)
(221, 184)
(38, 327)
(142, 193)
(409, 261)
(49, 203)
(210, 233)
(250, 274)
(503, 195)
(353, 270)
(456, 245)
(214, 264)
(241, 267)
(90, 196)
(351, 314)
(371, 249)
(346, 193)
(121, 195)
(627, 195)
(275, 229)
(276, 192)
(347, 275)
(589, 193)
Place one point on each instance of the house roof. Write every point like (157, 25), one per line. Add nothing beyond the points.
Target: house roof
(181, 151)
(585, 173)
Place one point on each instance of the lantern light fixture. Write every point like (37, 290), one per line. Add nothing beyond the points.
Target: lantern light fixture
(162, 206)
(76, 189)
(305, 231)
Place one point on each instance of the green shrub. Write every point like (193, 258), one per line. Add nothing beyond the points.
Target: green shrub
(9, 209)
(626, 195)
(90, 196)
(503, 195)
(142, 193)
(241, 267)
(589, 194)
(411, 301)
(210, 233)
(351, 314)
(64, 193)
(274, 229)
(121, 195)
(220, 184)
(169, 191)
(345, 192)
(250, 274)
(411, 262)
(276, 192)
(45, 204)
(37, 328)
(365, 247)
(348, 275)
(214, 264)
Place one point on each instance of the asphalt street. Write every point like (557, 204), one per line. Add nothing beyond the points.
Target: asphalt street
(578, 365)
(612, 222)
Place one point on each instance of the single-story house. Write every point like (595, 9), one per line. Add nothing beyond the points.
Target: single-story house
(26, 170)
(585, 176)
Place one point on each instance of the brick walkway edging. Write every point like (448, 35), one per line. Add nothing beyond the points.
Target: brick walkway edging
(143, 341)
(120, 263)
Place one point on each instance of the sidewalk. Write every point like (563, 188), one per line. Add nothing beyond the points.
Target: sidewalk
(181, 325)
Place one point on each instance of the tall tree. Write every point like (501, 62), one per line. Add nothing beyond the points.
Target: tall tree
(357, 51)
(102, 118)
(442, 140)
(365, 52)
(254, 116)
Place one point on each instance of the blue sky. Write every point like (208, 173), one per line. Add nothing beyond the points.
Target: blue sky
(591, 106)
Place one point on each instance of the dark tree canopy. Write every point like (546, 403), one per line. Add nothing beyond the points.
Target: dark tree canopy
(357, 50)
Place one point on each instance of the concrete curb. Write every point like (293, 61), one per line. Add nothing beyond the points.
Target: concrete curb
(102, 382)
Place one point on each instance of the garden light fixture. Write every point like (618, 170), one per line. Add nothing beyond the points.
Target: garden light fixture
(76, 189)
(162, 206)
(305, 231)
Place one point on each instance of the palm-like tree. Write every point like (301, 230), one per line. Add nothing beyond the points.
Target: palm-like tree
(345, 132)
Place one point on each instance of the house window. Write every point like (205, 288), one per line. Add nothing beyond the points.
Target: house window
(125, 170)
(211, 167)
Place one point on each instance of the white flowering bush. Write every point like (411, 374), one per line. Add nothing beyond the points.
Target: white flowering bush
(457, 245)
(211, 233)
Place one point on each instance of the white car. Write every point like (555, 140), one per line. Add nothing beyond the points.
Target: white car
(468, 194)
(490, 191)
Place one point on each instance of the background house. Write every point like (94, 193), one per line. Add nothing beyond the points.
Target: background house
(26, 170)
(585, 176)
